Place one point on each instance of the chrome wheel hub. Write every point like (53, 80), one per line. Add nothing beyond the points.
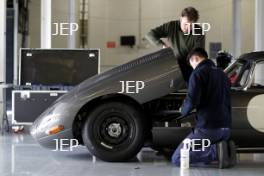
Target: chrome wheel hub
(114, 130)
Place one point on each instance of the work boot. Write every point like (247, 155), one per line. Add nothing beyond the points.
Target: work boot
(222, 151)
(232, 153)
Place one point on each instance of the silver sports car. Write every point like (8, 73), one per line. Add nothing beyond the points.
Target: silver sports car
(116, 112)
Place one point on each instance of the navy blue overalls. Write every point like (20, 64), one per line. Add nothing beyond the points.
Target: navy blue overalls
(209, 93)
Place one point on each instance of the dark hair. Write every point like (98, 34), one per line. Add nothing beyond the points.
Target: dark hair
(191, 13)
(200, 52)
(223, 59)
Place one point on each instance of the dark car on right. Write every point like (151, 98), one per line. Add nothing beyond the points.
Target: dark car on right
(246, 75)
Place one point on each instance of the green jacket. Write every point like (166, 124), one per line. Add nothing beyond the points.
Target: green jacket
(182, 44)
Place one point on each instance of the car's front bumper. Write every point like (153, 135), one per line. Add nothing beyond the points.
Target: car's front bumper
(57, 141)
(55, 116)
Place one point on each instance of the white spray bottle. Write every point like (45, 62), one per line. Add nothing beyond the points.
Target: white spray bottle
(185, 156)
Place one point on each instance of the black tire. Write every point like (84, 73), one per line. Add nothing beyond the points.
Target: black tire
(114, 131)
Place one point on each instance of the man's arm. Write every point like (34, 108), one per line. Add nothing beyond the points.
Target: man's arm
(155, 35)
(193, 95)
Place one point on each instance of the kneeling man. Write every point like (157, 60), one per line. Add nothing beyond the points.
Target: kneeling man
(208, 93)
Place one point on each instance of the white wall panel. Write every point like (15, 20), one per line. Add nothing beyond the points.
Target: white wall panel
(109, 19)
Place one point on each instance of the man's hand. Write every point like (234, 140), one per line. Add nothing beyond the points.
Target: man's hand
(165, 43)
(180, 109)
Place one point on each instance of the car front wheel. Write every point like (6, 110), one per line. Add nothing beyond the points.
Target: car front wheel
(114, 131)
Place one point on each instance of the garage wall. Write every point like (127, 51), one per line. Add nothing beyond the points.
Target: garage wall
(60, 10)
(59, 15)
(109, 19)
(247, 25)
(34, 24)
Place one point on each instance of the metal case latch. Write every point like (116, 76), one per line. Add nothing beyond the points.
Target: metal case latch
(25, 95)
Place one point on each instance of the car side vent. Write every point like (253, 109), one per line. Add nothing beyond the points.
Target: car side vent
(146, 59)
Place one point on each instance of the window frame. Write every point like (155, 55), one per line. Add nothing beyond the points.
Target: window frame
(253, 73)
(248, 80)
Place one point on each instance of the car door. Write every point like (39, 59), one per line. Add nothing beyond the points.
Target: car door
(247, 102)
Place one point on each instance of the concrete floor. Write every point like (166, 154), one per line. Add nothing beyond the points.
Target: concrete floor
(21, 156)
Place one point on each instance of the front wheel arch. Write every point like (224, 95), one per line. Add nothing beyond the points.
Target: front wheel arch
(89, 106)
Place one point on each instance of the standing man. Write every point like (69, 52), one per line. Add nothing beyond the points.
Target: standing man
(209, 93)
(181, 37)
